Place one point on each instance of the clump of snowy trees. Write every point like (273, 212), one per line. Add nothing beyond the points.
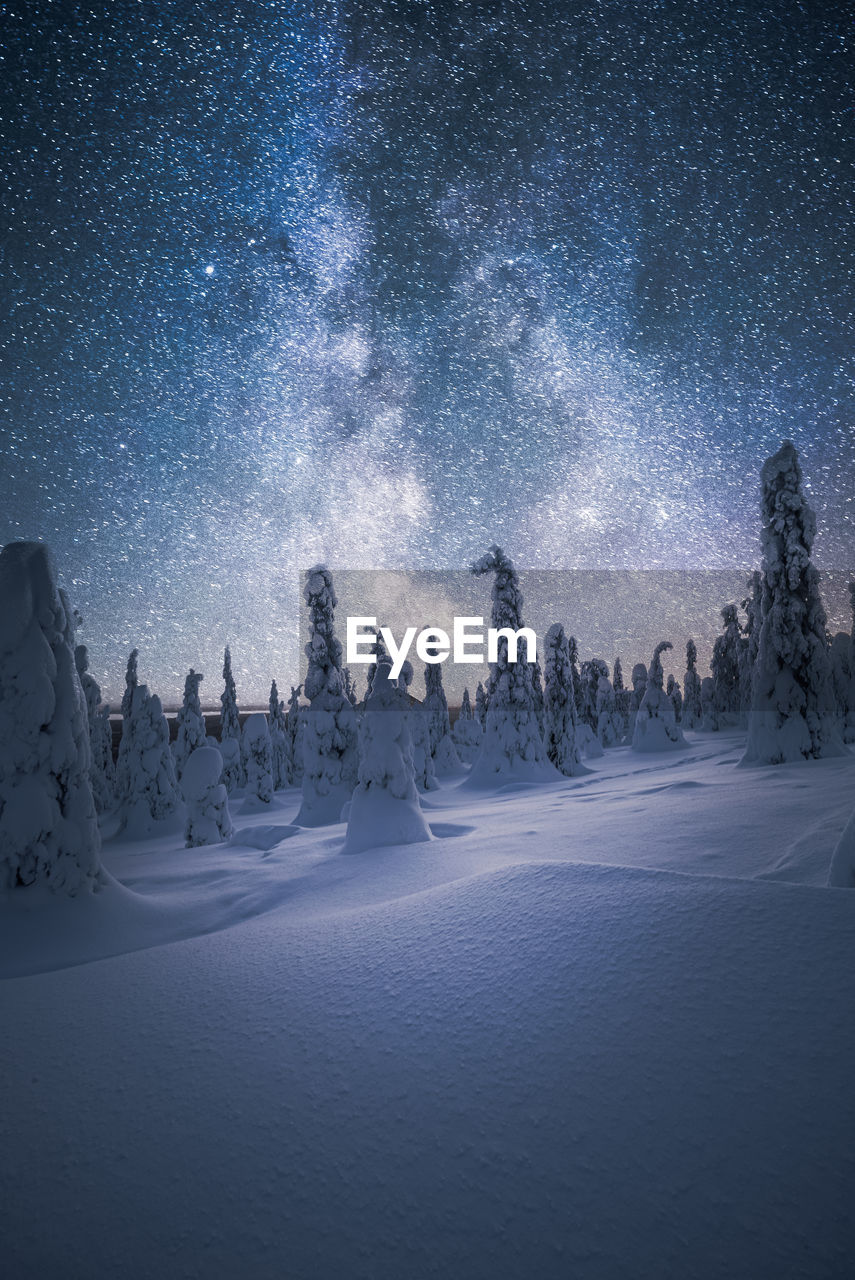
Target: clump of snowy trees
(208, 819)
(48, 823)
(655, 722)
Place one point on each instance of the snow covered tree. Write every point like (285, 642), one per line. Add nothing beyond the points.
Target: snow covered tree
(849, 725)
(537, 690)
(610, 724)
(792, 709)
(446, 761)
(381, 654)
(692, 713)
(560, 705)
(655, 726)
(466, 732)
(257, 752)
(330, 750)
(481, 705)
(191, 723)
(208, 818)
(621, 692)
(295, 724)
(131, 682)
(234, 774)
(513, 746)
(841, 677)
(709, 715)
(350, 687)
(639, 686)
(753, 606)
(280, 741)
(102, 771)
(727, 663)
(385, 806)
(673, 691)
(48, 824)
(578, 693)
(590, 675)
(152, 786)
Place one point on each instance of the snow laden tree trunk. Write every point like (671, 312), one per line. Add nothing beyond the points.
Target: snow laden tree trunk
(102, 771)
(257, 752)
(208, 818)
(131, 682)
(792, 710)
(655, 725)
(280, 741)
(513, 747)
(385, 807)
(191, 723)
(446, 761)
(559, 705)
(692, 714)
(153, 794)
(727, 663)
(466, 732)
(230, 736)
(48, 824)
(330, 751)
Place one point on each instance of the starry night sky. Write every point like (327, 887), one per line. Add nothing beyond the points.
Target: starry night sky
(382, 283)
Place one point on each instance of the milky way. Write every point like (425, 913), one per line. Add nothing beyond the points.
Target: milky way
(383, 283)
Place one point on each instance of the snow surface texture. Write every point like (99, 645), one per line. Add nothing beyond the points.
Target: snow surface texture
(793, 715)
(48, 825)
(385, 807)
(600, 1029)
(208, 818)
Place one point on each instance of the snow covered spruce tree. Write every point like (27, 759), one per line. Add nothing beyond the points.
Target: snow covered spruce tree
(230, 738)
(446, 761)
(481, 705)
(258, 754)
(417, 723)
(792, 708)
(131, 682)
(208, 818)
(295, 723)
(330, 752)
(753, 606)
(512, 746)
(691, 689)
(385, 806)
(610, 723)
(48, 825)
(466, 732)
(709, 717)
(621, 692)
(280, 741)
(849, 726)
(152, 794)
(655, 726)
(102, 771)
(727, 663)
(673, 691)
(559, 705)
(639, 686)
(191, 723)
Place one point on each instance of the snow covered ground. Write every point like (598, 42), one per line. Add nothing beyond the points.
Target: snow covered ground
(601, 1028)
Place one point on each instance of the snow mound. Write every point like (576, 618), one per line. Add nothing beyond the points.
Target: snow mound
(265, 837)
